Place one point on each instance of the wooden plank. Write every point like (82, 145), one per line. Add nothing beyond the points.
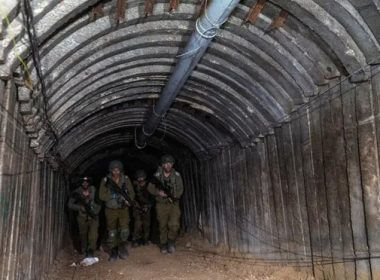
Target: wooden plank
(250, 195)
(300, 189)
(290, 248)
(259, 218)
(238, 174)
(341, 180)
(311, 196)
(277, 192)
(270, 200)
(369, 163)
(355, 190)
(332, 197)
(321, 194)
(298, 242)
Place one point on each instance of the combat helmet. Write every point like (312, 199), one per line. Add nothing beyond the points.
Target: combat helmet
(115, 164)
(167, 158)
(140, 174)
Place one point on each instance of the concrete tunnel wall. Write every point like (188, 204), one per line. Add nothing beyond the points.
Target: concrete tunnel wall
(32, 198)
(305, 194)
(282, 160)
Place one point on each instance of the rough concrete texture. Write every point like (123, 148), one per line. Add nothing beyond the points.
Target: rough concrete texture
(320, 40)
(277, 130)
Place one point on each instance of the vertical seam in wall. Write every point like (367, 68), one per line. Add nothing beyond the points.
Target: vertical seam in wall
(324, 184)
(347, 178)
(297, 188)
(273, 199)
(288, 191)
(305, 184)
(361, 183)
(281, 195)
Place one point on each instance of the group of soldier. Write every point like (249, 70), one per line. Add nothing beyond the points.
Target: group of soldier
(118, 195)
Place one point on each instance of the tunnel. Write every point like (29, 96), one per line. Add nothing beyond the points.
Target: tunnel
(273, 126)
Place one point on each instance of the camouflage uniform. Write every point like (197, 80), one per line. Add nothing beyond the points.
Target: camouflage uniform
(88, 226)
(168, 212)
(117, 213)
(141, 229)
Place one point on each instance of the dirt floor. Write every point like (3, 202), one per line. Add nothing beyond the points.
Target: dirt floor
(190, 261)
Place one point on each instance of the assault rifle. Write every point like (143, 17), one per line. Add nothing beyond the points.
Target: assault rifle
(127, 199)
(91, 209)
(163, 186)
(143, 198)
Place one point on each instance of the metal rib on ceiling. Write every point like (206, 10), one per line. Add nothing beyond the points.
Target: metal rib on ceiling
(246, 81)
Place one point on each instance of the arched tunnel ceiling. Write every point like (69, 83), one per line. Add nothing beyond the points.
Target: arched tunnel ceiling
(103, 76)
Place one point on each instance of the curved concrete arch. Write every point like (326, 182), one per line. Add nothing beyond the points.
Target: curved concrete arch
(331, 31)
(228, 126)
(82, 81)
(134, 72)
(344, 12)
(259, 77)
(134, 69)
(98, 149)
(173, 132)
(132, 117)
(214, 108)
(278, 52)
(242, 127)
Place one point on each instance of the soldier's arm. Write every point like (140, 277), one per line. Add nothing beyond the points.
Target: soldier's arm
(179, 186)
(93, 198)
(72, 205)
(152, 189)
(104, 192)
(129, 187)
(149, 198)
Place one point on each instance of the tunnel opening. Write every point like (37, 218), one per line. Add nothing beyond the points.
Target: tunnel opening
(272, 118)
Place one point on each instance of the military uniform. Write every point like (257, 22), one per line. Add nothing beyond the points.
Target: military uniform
(142, 219)
(168, 210)
(117, 214)
(88, 226)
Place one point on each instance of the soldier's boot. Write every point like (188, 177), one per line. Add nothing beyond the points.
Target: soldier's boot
(164, 248)
(123, 251)
(113, 254)
(90, 253)
(171, 246)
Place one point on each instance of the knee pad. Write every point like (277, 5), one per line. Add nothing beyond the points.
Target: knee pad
(124, 233)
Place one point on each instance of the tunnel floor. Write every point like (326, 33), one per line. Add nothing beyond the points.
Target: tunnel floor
(192, 260)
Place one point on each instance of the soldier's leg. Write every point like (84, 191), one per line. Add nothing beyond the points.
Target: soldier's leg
(83, 231)
(146, 227)
(137, 227)
(92, 236)
(173, 226)
(163, 217)
(111, 218)
(124, 232)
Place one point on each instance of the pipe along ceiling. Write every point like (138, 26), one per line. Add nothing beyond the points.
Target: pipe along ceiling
(103, 65)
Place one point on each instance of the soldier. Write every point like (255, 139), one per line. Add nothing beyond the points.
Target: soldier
(168, 190)
(82, 200)
(113, 191)
(141, 216)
